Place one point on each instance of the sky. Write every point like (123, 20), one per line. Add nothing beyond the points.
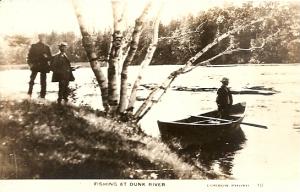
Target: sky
(30, 17)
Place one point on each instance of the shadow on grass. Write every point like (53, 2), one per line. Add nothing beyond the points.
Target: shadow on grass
(50, 141)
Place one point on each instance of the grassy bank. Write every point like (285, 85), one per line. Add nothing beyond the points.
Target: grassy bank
(40, 139)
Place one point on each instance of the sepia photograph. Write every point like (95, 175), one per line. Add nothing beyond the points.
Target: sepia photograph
(150, 95)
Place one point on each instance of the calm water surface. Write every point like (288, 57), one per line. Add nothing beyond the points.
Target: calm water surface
(259, 154)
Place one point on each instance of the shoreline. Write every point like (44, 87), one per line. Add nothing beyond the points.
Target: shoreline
(84, 145)
(86, 65)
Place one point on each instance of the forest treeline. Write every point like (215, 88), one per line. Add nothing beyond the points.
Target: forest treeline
(180, 39)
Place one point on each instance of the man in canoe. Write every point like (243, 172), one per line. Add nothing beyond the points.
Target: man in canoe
(224, 99)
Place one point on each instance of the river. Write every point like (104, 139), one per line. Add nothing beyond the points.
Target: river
(262, 154)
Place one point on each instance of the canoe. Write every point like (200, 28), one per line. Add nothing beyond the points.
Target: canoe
(205, 126)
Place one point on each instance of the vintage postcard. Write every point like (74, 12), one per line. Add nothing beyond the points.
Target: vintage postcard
(150, 95)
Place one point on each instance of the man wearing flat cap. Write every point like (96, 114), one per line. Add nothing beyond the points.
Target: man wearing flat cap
(38, 59)
(224, 99)
(62, 72)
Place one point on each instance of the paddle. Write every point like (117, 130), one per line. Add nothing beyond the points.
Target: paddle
(75, 67)
(225, 120)
(255, 125)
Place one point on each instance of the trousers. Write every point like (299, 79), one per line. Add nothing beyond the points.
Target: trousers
(63, 90)
(224, 111)
(43, 78)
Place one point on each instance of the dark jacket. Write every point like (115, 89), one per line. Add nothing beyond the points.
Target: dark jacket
(38, 57)
(224, 96)
(61, 68)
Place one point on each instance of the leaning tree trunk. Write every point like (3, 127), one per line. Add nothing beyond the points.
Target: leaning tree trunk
(89, 47)
(166, 84)
(146, 61)
(115, 56)
(128, 60)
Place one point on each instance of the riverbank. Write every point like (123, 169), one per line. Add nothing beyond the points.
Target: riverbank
(40, 139)
(86, 64)
(26, 66)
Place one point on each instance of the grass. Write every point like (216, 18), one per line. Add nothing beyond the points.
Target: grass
(44, 140)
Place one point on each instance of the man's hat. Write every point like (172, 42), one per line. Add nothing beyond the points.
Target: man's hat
(63, 44)
(41, 35)
(224, 79)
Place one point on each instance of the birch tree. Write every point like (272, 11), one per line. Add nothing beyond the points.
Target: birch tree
(115, 55)
(114, 103)
(188, 66)
(131, 53)
(149, 55)
(123, 50)
(89, 46)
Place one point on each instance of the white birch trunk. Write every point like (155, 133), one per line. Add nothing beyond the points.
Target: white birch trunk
(89, 47)
(131, 53)
(115, 56)
(182, 70)
(146, 61)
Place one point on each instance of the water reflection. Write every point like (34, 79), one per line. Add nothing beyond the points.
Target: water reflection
(216, 155)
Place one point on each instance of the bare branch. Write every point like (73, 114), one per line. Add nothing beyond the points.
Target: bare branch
(220, 38)
(226, 52)
(165, 84)
(158, 99)
(198, 30)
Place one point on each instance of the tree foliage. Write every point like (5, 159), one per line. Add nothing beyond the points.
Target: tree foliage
(185, 37)
(182, 38)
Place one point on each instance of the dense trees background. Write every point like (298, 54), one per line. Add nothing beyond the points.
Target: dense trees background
(201, 29)
(182, 38)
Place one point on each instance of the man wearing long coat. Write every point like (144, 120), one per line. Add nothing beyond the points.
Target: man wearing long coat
(224, 99)
(38, 59)
(62, 72)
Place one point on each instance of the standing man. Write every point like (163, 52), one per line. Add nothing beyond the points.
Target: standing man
(38, 59)
(62, 72)
(224, 99)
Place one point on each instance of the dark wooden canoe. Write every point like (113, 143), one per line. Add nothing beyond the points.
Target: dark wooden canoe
(205, 126)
